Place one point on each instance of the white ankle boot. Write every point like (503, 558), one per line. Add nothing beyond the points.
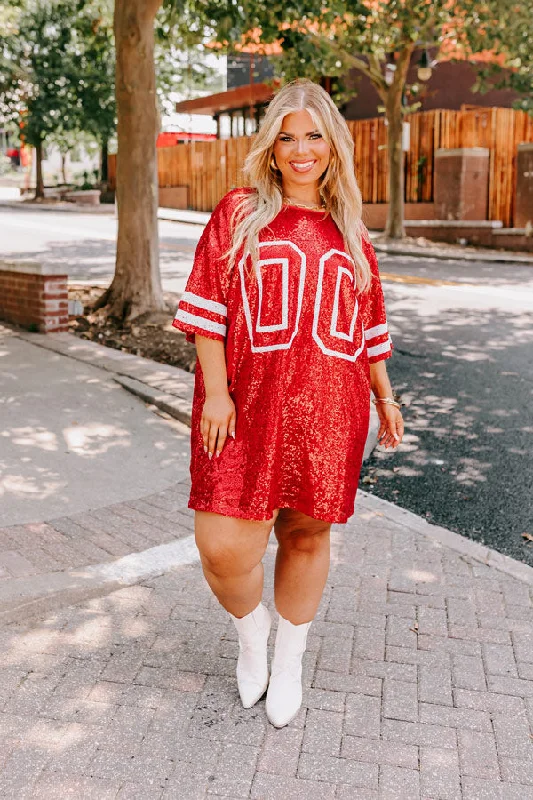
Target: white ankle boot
(252, 668)
(284, 696)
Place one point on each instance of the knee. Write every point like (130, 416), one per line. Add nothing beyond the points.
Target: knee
(304, 538)
(223, 560)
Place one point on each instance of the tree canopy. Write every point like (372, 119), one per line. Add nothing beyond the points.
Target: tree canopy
(57, 76)
(36, 83)
(381, 39)
(509, 35)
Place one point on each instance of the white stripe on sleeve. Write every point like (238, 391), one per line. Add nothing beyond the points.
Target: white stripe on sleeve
(200, 322)
(202, 302)
(377, 330)
(378, 349)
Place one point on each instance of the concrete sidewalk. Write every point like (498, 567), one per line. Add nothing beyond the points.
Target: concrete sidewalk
(72, 439)
(117, 664)
(434, 250)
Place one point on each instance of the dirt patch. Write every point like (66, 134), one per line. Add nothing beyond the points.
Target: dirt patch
(150, 336)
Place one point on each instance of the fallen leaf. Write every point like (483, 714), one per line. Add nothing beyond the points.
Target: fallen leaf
(414, 628)
(528, 536)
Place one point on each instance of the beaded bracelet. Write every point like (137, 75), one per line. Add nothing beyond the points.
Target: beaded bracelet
(390, 401)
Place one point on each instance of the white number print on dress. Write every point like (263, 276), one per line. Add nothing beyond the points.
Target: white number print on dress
(336, 269)
(279, 334)
(280, 273)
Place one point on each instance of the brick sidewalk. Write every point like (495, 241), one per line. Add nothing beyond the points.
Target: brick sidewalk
(419, 683)
(96, 536)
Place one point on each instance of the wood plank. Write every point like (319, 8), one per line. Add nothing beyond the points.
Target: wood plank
(210, 169)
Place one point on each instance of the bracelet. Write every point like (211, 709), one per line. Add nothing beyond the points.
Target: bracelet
(390, 401)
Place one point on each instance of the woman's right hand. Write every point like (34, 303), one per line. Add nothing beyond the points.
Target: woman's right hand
(217, 422)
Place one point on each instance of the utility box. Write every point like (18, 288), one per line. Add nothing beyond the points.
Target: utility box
(461, 189)
(523, 209)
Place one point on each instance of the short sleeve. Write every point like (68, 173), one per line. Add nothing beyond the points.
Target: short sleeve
(203, 308)
(378, 342)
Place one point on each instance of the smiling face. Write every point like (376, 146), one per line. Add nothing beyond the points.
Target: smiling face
(301, 154)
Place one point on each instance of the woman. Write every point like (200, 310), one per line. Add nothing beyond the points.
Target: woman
(285, 305)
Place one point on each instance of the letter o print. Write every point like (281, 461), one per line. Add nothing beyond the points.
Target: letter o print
(280, 263)
(335, 326)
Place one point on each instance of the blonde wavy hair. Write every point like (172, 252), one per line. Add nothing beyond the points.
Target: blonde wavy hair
(338, 186)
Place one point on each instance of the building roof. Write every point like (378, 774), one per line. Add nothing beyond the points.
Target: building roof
(170, 138)
(242, 97)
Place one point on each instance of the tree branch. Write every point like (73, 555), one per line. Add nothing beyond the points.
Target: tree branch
(402, 66)
(377, 76)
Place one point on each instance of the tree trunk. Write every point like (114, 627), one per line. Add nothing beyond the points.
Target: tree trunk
(136, 286)
(394, 228)
(103, 161)
(39, 181)
(393, 110)
(64, 157)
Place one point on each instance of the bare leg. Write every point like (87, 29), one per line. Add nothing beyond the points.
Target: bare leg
(302, 564)
(231, 552)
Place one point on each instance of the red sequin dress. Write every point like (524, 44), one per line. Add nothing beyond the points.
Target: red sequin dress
(298, 341)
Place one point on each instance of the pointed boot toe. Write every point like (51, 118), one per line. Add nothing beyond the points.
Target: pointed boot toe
(284, 696)
(284, 699)
(251, 691)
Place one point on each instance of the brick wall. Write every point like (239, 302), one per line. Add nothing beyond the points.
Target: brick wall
(375, 214)
(461, 183)
(32, 299)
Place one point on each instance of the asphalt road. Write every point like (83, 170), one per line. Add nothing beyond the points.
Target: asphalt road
(85, 243)
(463, 363)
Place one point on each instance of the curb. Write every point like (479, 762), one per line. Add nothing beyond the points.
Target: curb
(505, 257)
(180, 408)
(139, 375)
(24, 598)
(175, 406)
(104, 208)
(187, 217)
(466, 547)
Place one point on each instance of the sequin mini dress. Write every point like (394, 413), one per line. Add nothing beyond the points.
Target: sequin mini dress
(299, 338)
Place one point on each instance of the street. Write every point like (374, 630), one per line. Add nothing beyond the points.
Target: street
(86, 244)
(463, 363)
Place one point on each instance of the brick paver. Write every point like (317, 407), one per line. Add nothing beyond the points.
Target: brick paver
(95, 537)
(419, 675)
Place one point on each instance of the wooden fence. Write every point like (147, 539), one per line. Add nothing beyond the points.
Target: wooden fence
(210, 169)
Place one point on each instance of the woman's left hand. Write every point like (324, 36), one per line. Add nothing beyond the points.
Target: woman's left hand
(391, 426)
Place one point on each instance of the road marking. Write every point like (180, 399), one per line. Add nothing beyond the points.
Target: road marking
(521, 293)
(390, 276)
